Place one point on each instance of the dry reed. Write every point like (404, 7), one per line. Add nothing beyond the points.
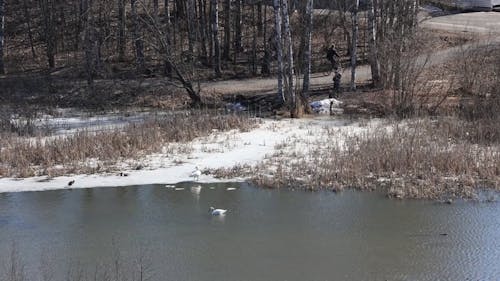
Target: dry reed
(52, 156)
(420, 158)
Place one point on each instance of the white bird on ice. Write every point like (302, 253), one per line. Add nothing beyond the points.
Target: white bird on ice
(196, 173)
(217, 212)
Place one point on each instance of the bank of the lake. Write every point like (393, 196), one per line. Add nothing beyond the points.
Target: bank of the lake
(434, 158)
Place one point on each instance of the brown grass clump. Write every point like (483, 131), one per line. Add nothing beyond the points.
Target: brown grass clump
(91, 152)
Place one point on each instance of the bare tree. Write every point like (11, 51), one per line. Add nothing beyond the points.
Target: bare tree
(237, 25)
(373, 56)
(215, 34)
(354, 45)
(254, 41)
(181, 72)
(344, 7)
(121, 43)
(227, 29)
(47, 8)
(89, 43)
(260, 25)
(191, 22)
(398, 50)
(167, 12)
(139, 45)
(279, 48)
(290, 75)
(156, 10)
(29, 24)
(202, 52)
(2, 25)
(308, 47)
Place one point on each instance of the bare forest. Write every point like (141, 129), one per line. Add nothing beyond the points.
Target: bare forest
(113, 53)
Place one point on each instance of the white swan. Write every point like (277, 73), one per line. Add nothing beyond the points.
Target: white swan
(196, 189)
(230, 188)
(196, 173)
(217, 212)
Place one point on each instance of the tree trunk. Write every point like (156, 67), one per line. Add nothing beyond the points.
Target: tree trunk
(279, 48)
(254, 41)
(47, 8)
(139, 45)
(167, 67)
(210, 35)
(27, 17)
(190, 20)
(290, 75)
(215, 32)
(227, 29)
(121, 30)
(180, 12)
(354, 53)
(259, 17)
(88, 43)
(61, 27)
(373, 56)
(237, 27)
(77, 10)
(308, 49)
(2, 24)
(167, 12)
(155, 10)
(202, 29)
(303, 102)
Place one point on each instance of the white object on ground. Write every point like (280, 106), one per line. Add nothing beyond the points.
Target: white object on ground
(179, 188)
(235, 107)
(196, 174)
(231, 188)
(323, 106)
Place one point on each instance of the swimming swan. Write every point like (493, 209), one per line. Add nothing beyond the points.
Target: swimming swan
(217, 212)
(196, 189)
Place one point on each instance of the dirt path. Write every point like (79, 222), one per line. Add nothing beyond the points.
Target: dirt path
(486, 23)
(269, 85)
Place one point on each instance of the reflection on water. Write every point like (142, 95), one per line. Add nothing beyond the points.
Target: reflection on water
(266, 235)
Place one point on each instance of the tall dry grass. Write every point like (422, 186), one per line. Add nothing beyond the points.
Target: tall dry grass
(418, 158)
(52, 156)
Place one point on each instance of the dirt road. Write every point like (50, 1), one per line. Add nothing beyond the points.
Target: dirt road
(487, 23)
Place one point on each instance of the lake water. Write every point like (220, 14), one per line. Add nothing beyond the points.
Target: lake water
(266, 235)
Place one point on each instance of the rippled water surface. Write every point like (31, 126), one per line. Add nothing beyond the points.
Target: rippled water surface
(266, 235)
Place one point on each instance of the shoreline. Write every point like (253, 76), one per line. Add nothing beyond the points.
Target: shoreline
(315, 153)
(218, 150)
